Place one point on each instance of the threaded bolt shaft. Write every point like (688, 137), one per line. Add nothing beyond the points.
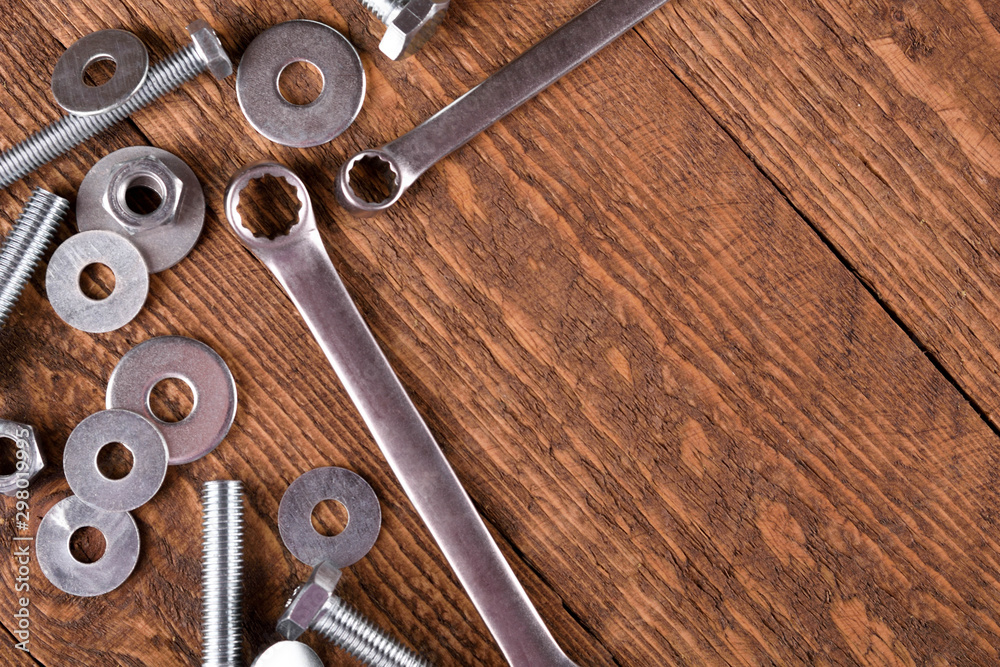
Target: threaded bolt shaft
(24, 246)
(345, 626)
(222, 574)
(383, 9)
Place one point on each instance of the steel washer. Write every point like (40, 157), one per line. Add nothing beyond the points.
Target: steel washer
(149, 460)
(364, 517)
(304, 125)
(131, 61)
(205, 372)
(62, 281)
(52, 544)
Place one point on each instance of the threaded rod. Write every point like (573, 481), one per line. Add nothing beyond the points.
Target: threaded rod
(222, 574)
(343, 625)
(24, 246)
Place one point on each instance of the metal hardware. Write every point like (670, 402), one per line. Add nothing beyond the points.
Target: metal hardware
(164, 236)
(409, 23)
(135, 433)
(364, 517)
(205, 53)
(124, 49)
(301, 264)
(27, 242)
(300, 125)
(288, 654)
(205, 372)
(222, 574)
(30, 461)
(315, 606)
(62, 281)
(405, 159)
(52, 544)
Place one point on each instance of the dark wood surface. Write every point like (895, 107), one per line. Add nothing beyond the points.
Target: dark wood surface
(707, 330)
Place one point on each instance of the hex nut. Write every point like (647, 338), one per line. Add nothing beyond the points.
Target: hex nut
(308, 600)
(412, 26)
(29, 457)
(210, 48)
(147, 171)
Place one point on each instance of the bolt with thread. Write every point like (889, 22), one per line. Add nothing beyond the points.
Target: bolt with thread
(222, 574)
(343, 625)
(384, 9)
(27, 242)
(63, 135)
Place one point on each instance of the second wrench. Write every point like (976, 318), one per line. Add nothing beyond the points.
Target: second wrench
(406, 158)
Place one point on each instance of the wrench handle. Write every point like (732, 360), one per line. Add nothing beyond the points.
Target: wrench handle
(310, 279)
(519, 81)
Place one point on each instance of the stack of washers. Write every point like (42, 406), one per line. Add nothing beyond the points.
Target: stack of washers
(104, 503)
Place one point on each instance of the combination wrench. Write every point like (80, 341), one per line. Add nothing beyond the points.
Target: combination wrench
(302, 265)
(407, 158)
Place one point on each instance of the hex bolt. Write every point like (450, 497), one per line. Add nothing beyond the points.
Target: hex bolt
(315, 606)
(222, 574)
(205, 52)
(24, 246)
(409, 23)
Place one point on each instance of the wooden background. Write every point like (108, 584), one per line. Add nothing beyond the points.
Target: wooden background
(709, 331)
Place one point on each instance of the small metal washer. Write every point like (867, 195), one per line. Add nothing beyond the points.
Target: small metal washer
(149, 460)
(121, 550)
(62, 281)
(364, 517)
(304, 125)
(131, 61)
(164, 246)
(198, 365)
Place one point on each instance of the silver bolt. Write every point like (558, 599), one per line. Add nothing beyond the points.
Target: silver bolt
(205, 52)
(24, 246)
(315, 606)
(222, 574)
(409, 23)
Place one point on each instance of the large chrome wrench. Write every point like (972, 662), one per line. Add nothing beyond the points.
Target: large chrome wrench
(301, 264)
(406, 158)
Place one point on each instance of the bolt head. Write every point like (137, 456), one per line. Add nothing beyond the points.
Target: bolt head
(29, 456)
(151, 172)
(308, 600)
(411, 27)
(210, 48)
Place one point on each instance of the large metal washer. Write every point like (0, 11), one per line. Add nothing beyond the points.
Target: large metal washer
(62, 281)
(121, 550)
(164, 246)
(124, 49)
(149, 460)
(204, 371)
(300, 125)
(288, 654)
(364, 517)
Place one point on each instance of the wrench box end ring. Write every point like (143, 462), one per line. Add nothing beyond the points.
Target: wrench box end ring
(356, 205)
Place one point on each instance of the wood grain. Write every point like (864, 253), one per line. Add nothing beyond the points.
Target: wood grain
(694, 431)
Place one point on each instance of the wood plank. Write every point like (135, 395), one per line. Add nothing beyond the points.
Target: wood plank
(697, 436)
(878, 121)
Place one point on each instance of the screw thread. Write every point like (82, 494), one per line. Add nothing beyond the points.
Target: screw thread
(384, 9)
(222, 574)
(24, 246)
(343, 625)
(70, 131)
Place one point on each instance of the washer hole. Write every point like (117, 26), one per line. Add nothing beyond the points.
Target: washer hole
(269, 207)
(373, 179)
(8, 456)
(87, 544)
(300, 83)
(99, 71)
(115, 461)
(329, 518)
(97, 281)
(171, 400)
(143, 195)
